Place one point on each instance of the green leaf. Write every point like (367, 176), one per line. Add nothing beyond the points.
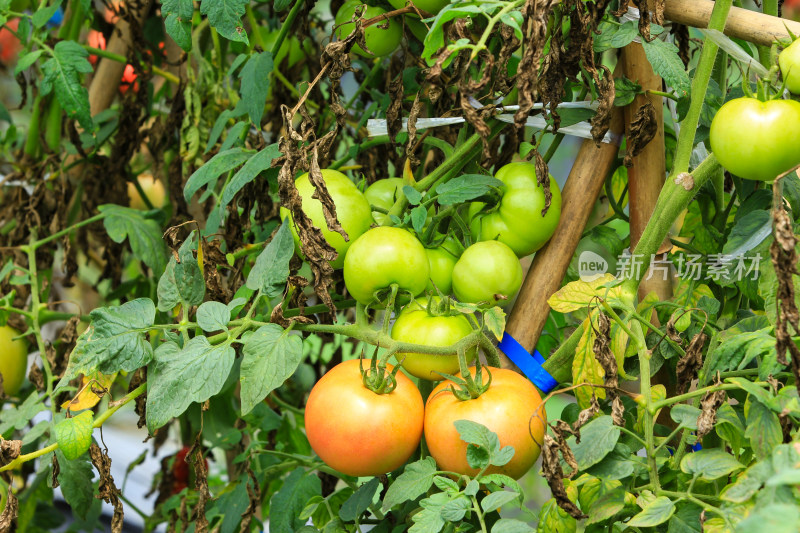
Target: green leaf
(144, 235)
(271, 356)
(415, 480)
(178, 21)
(27, 60)
(495, 320)
(434, 40)
(749, 231)
(586, 368)
(625, 91)
(179, 377)
(414, 196)
(255, 85)
(455, 509)
(213, 168)
(553, 518)
(43, 15)
(762, 428)
(286, 504)
(656, 512)
(213, 316)
(182, 282)
(606, 506)
(74, 435)
(773, 518)
(271, 269)
(62, 72)
(359, 501)
(685, 415)
(686, 519)
(509, 525)
(257, 164)
(737, 346)
(464, 188)
(598, 438)
(479, 435)
(709, 464)
(614, 35)
(418, 217)
(115, 340)
(18, 416)
(663, 56)
(225, 16)
(495, 500)
(75, 479)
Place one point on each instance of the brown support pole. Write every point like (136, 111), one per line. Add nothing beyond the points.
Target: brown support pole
(584, 183)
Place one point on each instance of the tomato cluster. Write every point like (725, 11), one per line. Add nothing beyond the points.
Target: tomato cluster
(363, 433)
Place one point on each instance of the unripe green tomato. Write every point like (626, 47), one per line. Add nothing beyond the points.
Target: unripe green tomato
(13, 360)
(756, 140)
(416, 325)
(383, 193)
(487, 269)
(380, 41)
(381, 257)
(442, 263)
(789, 61)
(352, 210)
(517, 220)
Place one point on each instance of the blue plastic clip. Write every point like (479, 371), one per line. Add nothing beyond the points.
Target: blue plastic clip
(531, 365)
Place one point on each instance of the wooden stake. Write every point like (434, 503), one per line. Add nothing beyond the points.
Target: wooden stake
(592, 166)
(744, 24)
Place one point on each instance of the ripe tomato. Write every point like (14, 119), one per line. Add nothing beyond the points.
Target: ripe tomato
(487, 269)
(417, 325)
(789, 61)
(352, 210)
(756, 140)
(383, 256)
(442, 262)
(380, 41)
(128, 80)
(95, 39)
(507, 408)
(517, 219)
(359, 432)
(9, 44)
(13, 360)
(152, 188)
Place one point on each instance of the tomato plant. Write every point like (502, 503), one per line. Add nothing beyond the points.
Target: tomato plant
(207, 342)
(358, 431)
(753, 139)
(511, 407)
(430, 324)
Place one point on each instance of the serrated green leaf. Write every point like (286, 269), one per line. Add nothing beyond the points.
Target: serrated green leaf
(42, 16)
(413, 196)
(182, 281)
(710, 464)
(656, 512)
(254, 166)
(415, 480)
(213, 316)
(213, 168)
(614, 35)
(510, 525)
(418, 217)
(465, 188)
(144, 235)
(179, 377)
(287, 503)
(178, 21)
(495, 500)
(685, 415)
(62, 72)
(271, 269)
(75, 479)
(763, 428)
(225, 16)
(27, 60)
(271, 356)
(663, 57)
(255, 78)
(598, 439)
(74, 435)
(359, 501)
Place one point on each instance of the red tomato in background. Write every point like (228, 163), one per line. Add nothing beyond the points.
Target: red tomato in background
(359, 432)
(95, 39)
(9, 44)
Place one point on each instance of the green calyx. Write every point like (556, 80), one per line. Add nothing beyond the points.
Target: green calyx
(376, 378)
(469, 387)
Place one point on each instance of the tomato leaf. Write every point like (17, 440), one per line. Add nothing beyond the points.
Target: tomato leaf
(614, 35)
(773, 517)
(271, 268)
(213, 168)
(74, 435)
(511, 525)
(663, 56)
(255, 78)
(482, 438)
(182, 281)
(213, 316)
(179, 377)
(495, 320)
(286, 504)
(656, 512)
(359, 501)
(225, 16)
(685, 415)
(75, 479)
(415, 480)
(586, 368)
(178, 21)
(418, 217)
(763, 428)
(114, 340)
(62, 72)
(271, 356)
(465, 188)
(144, 235)
(495, 500)
(579, 294)
(598, 438)
(710, 464)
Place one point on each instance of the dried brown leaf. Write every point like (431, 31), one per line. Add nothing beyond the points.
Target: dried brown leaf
(690, 363)
(708, 416)
(644, 127)
(106, 488)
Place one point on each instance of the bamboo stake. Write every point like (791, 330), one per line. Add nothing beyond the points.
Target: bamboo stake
(592, 166)
(744, 24)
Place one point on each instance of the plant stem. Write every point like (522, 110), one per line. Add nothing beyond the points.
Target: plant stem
(65, 231)
(648, 420)
(170, 77)
(699, 392)
(286, 26)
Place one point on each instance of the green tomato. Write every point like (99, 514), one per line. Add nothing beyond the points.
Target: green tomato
(415, 324)
(431, 6)
(442, 263)
(380, 41)
(517, 220)
(352, 210)
(381, 257)
(789, 61)
(13, 361)
(757, 140)
(487, 269)
(383, 194)
(591, 260)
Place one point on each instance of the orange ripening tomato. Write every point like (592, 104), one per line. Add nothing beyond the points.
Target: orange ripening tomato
(358, 432)
(9, 44)
(510, 408)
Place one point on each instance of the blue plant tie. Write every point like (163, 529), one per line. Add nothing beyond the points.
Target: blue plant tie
(531, 365)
